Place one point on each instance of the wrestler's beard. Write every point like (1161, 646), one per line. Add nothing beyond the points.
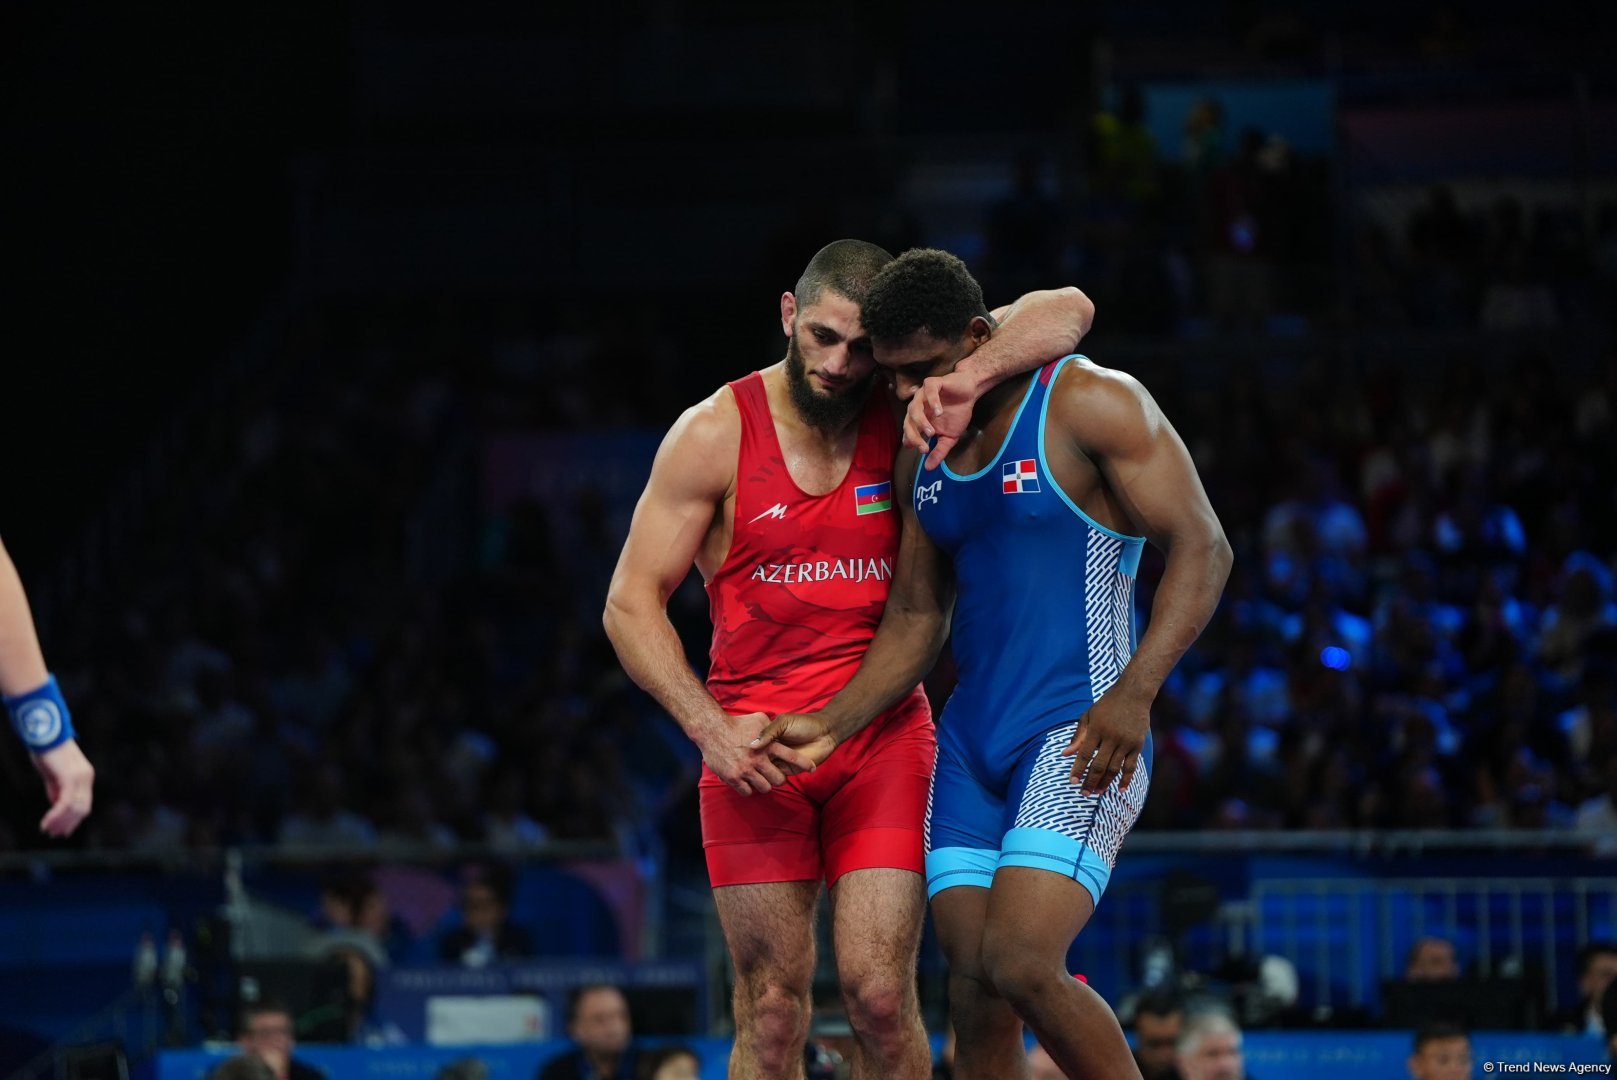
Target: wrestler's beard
(827, 412)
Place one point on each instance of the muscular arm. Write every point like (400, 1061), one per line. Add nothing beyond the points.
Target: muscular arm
(1037, 328)
(22, 664)
(69, 777)
(1117, 424)
(914, 626)
(690, 479)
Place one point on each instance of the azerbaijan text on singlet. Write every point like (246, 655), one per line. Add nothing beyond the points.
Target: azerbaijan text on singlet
(802, 590)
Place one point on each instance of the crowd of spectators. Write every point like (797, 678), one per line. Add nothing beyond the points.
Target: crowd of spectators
(262, 663)
(1420, 631)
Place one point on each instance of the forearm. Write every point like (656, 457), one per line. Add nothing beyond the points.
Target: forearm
(904, 649)
(22, 664)
(653, 656)
(1039, 328)
(1185, 601)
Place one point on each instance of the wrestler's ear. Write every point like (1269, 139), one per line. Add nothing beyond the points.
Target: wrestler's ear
(978, 331)
(788, 313)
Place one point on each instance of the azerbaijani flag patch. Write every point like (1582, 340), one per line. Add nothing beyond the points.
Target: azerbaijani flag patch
(873, 498)
(1020, 476)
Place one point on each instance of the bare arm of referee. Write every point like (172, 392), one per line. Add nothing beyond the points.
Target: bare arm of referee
(69, 777)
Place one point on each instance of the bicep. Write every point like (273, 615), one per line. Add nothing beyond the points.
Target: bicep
(675, 513)
(1149, 469)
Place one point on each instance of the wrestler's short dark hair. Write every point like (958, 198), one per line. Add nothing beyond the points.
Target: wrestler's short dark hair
(846, 267)
(1593, 951)
(923, 289)
(1435, 1030)
(252, 1010)
(580, 992)
(496, 877)
(1159, 1003)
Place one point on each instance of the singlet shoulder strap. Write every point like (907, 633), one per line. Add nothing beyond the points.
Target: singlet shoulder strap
(1026, 439)
(750, 397)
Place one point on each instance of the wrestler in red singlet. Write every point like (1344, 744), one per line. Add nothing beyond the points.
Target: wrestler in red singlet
(794, 606)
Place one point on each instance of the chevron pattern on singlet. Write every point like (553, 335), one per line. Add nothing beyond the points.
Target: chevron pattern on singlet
(1106, 611)
(1055, 802)
(931, 790)
(1117, 813)
(1052, 801)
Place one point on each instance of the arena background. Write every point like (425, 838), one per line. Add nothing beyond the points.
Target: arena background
(340, 336)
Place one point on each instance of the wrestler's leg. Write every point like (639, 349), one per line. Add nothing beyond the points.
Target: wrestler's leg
(769, 929)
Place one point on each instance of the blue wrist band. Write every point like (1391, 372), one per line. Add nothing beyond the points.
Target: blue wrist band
(41, 717)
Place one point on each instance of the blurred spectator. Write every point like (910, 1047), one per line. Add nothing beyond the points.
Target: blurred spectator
(1584, 607)
(146, 821)
(1238, 273)
(1598, 816)
(670, 1063)
(508, 828)
(1441, 246)
(1210, 1047)
(362, 959)
(486, 934)
(322, 819)
(267, 1033)
(1442, 1052)
(1203, 146)
(598, 1022)
(353, 910)
(1124, 164)
(1597, 972)
(1159, 1017)
(412, 822)
(1431, 959)
(1041, 1066)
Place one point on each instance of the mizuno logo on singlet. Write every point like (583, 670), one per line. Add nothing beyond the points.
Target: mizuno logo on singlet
(824, 570)
(778, 512)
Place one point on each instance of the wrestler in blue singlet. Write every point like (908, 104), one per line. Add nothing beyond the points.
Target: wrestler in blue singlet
(1043, 625)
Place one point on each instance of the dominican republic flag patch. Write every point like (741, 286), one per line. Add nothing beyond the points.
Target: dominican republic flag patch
(873, 498)
(1021, 476)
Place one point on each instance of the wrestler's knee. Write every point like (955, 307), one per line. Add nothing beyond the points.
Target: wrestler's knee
(1019, 975)
(880, 1004)
(975, 1009)
(774, 1016)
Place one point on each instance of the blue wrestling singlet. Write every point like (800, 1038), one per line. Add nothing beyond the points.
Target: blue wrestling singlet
(1043, 625)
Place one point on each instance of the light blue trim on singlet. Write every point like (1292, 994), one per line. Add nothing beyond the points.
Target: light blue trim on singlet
(1027, 396)
(1043, 849)
(1043, 463)
(949, 867)
(1131, 558)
